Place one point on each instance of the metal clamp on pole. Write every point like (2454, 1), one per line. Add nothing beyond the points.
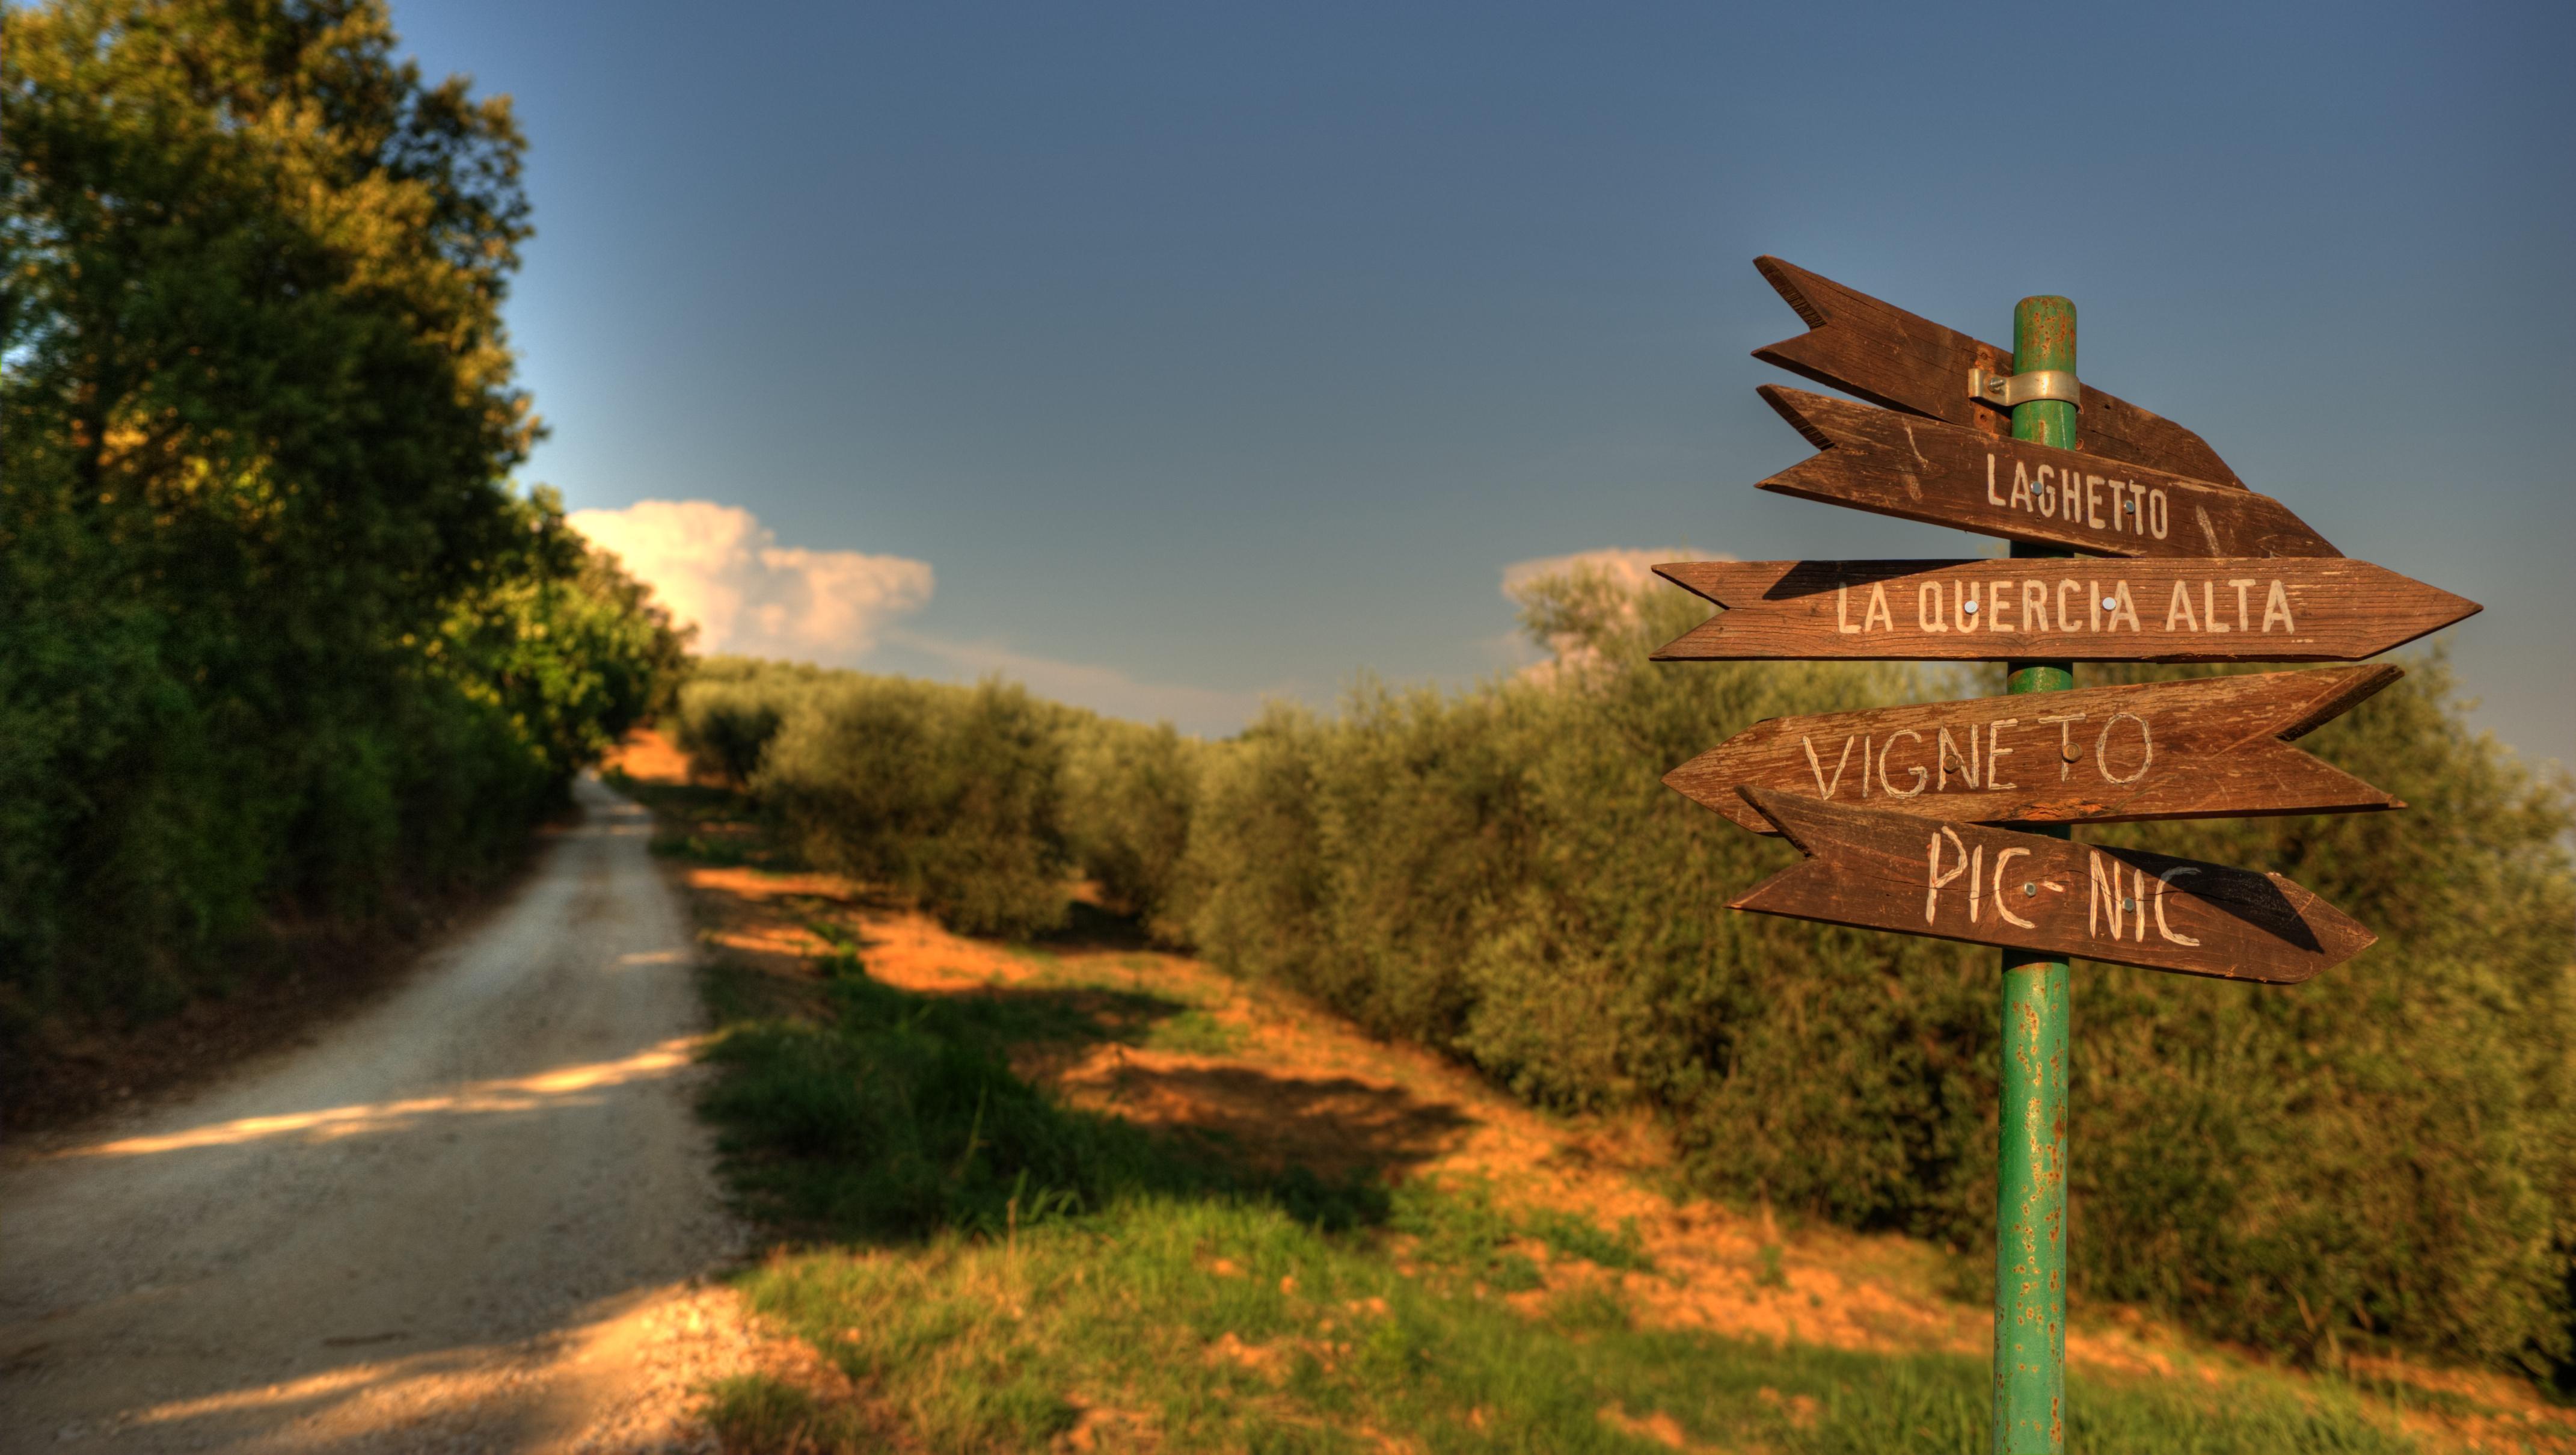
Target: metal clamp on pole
(2007, 390)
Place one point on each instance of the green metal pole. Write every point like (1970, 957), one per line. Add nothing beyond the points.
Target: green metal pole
(2030, 1215)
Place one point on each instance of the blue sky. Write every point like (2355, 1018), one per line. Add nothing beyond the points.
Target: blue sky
(1169, 357)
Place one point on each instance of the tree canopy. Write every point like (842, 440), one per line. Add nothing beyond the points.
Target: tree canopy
(276, 633)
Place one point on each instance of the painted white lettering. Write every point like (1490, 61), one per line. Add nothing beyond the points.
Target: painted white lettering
(1889, 751)
(2209, 606)
(1945, 751)
(2146, 748)
(1842, 611)
(2003, 857)
(1933, 878)
(1996, 752)
(2034, 606)
(1823, 788)
(2068, 755)
(1878, 614)
(2276, 603)
(2105, 876)
(2125, 610)
(2158, 512)
(2179, 609)
(1931, 607)
(1991, 497)
(2164, 882)
(2242, 584)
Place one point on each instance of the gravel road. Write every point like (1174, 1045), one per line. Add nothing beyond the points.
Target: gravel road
(466, 1219)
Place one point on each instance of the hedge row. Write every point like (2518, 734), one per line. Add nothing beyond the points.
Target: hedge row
(2385, 1155)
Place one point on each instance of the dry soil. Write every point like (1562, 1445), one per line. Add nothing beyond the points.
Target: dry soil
(474, 1217)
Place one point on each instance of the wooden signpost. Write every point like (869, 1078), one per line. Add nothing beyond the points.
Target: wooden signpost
(2207, 747)
(1891, 871)
(1888, 356)
(1921, 469)
(2277, 609)
(1893, 807)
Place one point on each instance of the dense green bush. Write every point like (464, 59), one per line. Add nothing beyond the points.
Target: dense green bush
(950, 793)
(1128, 795)
(2387, 1152)
(276, 638)
(982, 801)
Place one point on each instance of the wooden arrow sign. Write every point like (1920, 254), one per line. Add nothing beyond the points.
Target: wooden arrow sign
(1922, 469)
(1891, 871)
(2282, 610)
(1888, 356)
(2209, 747)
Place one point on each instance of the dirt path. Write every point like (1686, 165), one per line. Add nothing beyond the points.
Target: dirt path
(469, 1219)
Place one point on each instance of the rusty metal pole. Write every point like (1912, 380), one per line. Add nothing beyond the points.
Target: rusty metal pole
(2030, 1214)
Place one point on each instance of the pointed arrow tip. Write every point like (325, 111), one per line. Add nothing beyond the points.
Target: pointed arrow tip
(1788, 280)
(1778, 809)
(2339, 936)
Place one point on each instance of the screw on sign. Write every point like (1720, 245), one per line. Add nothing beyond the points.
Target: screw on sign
(1892, 807)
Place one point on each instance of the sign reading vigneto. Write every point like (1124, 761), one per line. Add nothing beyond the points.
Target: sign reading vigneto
(2200, 748)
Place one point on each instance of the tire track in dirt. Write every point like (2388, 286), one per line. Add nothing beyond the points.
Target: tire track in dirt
(472, 1218)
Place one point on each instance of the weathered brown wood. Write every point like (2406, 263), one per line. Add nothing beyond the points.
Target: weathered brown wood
(2289, 609)
(2210, 747)
(1891, 871)
(1888, 356)
(1924, 469)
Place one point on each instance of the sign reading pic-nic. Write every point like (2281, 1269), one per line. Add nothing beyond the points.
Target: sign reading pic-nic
(1891, 871)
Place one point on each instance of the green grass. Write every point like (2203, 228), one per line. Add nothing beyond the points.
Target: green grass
(1233, 1326)
(1193, 1032)
(759, 1412)
(997, 1268)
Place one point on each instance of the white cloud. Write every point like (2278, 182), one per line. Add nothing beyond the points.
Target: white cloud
(718, 567)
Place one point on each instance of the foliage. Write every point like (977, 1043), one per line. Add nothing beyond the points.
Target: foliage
(2381, 1155)
(2386, 1155)
(1128, 795)
(978, 799)
(275, 638)
(949, 793)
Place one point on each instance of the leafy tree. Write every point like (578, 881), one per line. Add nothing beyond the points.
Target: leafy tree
(274, 632)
